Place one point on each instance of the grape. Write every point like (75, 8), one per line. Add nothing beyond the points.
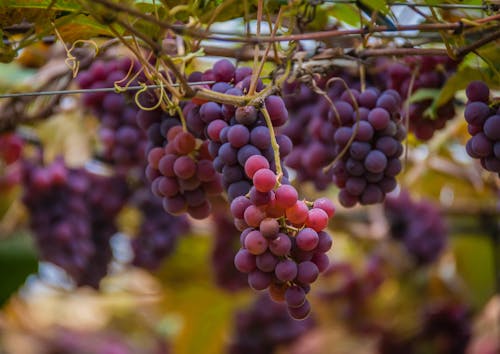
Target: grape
(266, 262)
(307, 272)
(295, 296)
(307, 239)
(259, 280)
(375, 161)
(238, 135)
(246, 115)
(255, 163)
(224, 70)
(244, 261)
(491, 128)
(286, 270)
(297, 214)
(379, 118)
(260, 137)
(269, 227)
(255, 243)
(317, 219)
(281, 245)
(264, 180)
(476, 113)
(477, 91)
(484, 126)
(286, 196)
(300, 312)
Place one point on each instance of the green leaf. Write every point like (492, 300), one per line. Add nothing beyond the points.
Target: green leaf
(461, 79)
(377, 5)
(61, 5)
(345, 13)
(424, 94)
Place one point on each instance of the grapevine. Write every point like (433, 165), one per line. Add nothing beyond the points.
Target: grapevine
(250, 177)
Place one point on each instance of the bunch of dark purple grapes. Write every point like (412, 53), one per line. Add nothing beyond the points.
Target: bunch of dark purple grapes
(72, 217)
(158, 232)
(227, 242)
(444, 329)
(236, 133)
(483, 118)
(283, 245)
(183, 175)
(264, 327)
(433, 72)
(418, 225)
(367, 134)
(124, 144)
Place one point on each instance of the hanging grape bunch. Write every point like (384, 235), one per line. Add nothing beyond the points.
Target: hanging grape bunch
(283, 239)
(483, 119)
(368, 134)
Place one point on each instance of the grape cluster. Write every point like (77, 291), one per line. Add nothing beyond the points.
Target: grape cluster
(418, 225)
(484, 125)
(11, 146)
(367, 144)
(283, 243)
(158, 233)
(182, 174)
(227, 241)
(448, 325)
(236, 133)
(433, 72)
(124, 143)
(264, 327)
(72, 216)
(445, 328)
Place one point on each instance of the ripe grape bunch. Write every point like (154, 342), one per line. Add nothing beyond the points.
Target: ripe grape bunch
(368, 144)
(418, 225)
(124, 144)
(283, 245)
(182, 174)
(72, 222)
(483, 118)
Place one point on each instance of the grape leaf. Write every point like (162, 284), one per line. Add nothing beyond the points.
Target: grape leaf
(345, 13)
(424, 94)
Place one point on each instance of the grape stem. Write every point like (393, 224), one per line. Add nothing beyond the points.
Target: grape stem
(274, 143)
